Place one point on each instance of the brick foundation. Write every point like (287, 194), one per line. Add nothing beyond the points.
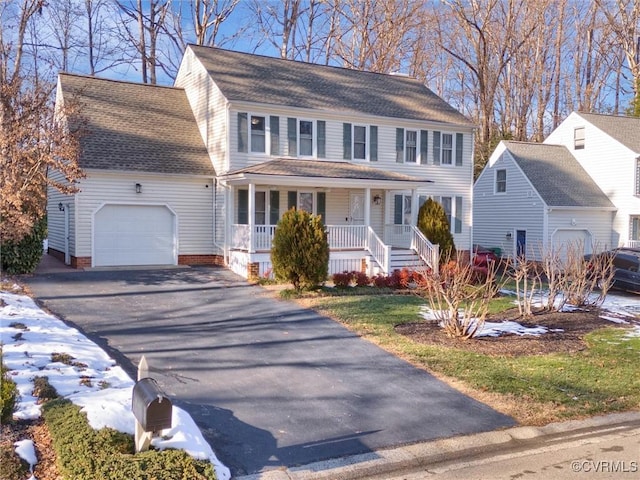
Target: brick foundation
(217, 260)
(57, 254)
(253, 271)
(81, 262)
(363, 265)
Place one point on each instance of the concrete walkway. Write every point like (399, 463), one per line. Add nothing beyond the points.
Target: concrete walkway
(271, 385)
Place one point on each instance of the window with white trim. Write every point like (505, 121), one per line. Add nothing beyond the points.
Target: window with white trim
(402, 209)
(411, 146)
(255, 135)
(452, 207)
(258, 134)
(306, 138)
(634, 229)
(447, 149)
(360, 142)
(637, 189)
(501, 181)
(578, 138)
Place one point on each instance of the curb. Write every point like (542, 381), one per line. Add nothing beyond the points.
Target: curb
(388, 461)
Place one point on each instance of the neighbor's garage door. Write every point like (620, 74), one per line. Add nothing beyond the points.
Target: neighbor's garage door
(134, 235)
(562, 238)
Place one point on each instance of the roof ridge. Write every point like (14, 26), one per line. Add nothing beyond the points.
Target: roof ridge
(312, 64)
(115, 80)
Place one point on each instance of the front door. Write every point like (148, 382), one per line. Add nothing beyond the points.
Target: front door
(356, 209)
(521, 243)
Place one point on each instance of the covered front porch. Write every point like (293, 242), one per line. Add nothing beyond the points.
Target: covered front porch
(370, 214)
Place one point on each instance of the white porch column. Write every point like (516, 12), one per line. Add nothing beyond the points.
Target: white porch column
(252, 216)
(414, 207)
(230, 197)
(367, 206)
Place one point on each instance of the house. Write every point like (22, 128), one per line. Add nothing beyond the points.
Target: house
(533, 198)
(202, 171)
(608, 148)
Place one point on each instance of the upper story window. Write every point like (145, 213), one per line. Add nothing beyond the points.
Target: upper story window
(578, 138)
(306, 138)
(501, 181)
(360, 142)
(637, 189)
(448, 148)
(258, 133)
(411, 147)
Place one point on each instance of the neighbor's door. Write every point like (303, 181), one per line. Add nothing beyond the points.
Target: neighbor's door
(356, 209)
(521, 243)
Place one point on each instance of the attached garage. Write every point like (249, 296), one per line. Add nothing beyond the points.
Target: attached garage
(134, 235)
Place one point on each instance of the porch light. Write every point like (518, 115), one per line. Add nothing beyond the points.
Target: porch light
(377, 199)
(138, 188)
(508, 234)
(61, 207)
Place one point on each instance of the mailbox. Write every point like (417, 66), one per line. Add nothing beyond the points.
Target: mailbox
(150, 406)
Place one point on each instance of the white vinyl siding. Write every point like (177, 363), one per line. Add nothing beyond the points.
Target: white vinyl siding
(55, 216)
(190, 198)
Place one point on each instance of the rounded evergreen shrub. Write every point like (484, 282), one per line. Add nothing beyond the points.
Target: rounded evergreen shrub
(433, 223)
(300, 250)
(23, 256)
(8, 394)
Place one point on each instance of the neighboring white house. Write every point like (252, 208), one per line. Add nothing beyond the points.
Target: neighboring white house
(361, 149)
(608, 148)
(582, 183)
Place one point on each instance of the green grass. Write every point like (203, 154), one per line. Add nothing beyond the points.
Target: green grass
(603, 378)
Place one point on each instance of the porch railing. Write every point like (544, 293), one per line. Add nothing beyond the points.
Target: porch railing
(344, 237)
(341, 237)
(380, 252)
(397, 235)
(633, 243)
(427, 251)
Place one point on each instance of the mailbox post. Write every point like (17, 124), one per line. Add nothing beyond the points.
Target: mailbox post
(150, 406)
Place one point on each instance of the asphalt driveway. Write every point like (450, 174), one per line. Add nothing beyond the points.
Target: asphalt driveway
(270, 384)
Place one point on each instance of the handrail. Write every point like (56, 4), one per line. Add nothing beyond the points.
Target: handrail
(427, 251)
(380, 252)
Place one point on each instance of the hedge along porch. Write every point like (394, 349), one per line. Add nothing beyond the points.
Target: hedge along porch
(370, 214)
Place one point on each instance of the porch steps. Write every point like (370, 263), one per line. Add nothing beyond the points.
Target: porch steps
(405, 258)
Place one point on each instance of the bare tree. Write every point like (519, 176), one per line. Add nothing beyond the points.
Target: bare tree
(30, 141)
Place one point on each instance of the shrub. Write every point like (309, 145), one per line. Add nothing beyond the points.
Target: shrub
(361, 279)
(85, 453)
(43, 390)
(8, 394)
(300, 250)
(380, 281)
(11, 465)
(24, 256)
(433, 223)
(342, 280)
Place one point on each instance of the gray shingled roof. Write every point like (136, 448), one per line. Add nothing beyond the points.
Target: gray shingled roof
(274, 81)
(626, 130)
(323, 169)
(132, 126)
(557, 176)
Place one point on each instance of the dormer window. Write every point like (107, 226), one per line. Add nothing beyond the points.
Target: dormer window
(578, 138)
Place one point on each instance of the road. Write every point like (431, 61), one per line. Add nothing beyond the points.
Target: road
(610, 452)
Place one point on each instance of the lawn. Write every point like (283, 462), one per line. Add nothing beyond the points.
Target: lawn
(603, 377)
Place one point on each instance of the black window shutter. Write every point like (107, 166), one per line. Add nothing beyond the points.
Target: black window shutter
(243, 207)
(322, 138)
(436, 148)
(292, 200)
(399, 144)
(322, 206)
(243, 132)
(398, 209)
(346, 141)
(274, 207)
(373, 143)
(292, 135)
(424, 146)
(274, 127)
(458, 149)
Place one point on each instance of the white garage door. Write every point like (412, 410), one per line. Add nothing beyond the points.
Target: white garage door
(562, 238)
(134, 235)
